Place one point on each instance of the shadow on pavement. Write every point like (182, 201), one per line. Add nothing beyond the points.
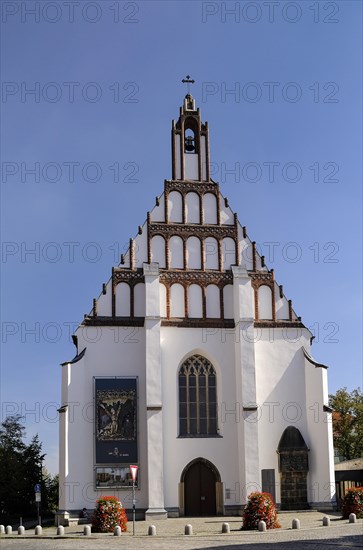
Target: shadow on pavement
(350, 541)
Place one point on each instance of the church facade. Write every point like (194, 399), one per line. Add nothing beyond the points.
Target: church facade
(194, 366)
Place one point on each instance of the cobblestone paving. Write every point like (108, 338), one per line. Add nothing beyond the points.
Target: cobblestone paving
(207, 535)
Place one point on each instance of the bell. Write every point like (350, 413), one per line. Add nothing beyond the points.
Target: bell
(189, 144)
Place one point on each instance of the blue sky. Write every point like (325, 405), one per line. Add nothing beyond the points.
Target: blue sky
(96, 131)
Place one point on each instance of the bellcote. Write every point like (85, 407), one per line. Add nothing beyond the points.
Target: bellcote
(190, 144)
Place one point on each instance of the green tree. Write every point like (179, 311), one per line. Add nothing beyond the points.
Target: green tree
(51, 491)
(348, 422)
(32, 463)
(11, 465)
(21, 467)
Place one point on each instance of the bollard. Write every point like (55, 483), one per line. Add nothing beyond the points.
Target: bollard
(8, 530)
(87, 530)
(60, 530)
(152, 530)
(38, 530)
(352, 518)
(188, 529)
(117, 531)
(295, 524)
(2, 530)
(262, 526)
(21, 530)
(225, 528)
(326, 521)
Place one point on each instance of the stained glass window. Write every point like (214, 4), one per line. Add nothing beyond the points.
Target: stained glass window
(197, 397)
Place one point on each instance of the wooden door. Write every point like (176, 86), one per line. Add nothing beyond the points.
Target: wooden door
(200, 490)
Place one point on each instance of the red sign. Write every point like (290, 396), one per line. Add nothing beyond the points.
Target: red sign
(133, 472)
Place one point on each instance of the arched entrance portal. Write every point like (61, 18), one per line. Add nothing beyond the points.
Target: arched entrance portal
(201, 482)
(294, 467)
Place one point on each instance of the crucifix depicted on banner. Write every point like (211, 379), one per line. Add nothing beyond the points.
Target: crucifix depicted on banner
(116, 420)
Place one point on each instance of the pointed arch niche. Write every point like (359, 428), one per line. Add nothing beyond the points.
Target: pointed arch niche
(228, 301)
(195, 302)
(228, 253)
(158, 250)
(213, 306)
(264, 302)
(211, 253)
(139, 300)
(192, 207)
(194, 254)
(163, 310)
(210, 209)
(122, 300)
(175, 207)
(176, 252)
(177, 301)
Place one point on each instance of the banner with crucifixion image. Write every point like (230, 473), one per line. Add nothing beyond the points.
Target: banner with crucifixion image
(116, 420)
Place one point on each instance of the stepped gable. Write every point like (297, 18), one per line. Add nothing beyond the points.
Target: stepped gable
(195, 238)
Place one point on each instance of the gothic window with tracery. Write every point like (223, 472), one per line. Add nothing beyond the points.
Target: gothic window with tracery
(197, 397)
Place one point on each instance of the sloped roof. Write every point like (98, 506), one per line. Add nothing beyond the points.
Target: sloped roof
(354, 464)
(312, 361)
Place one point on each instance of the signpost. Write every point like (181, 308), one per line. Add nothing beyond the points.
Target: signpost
(38, 499)
(134, 475)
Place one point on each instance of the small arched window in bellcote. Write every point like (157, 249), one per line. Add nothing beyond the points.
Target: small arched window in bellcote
(189, 142)
(197, 398)
(190, 136)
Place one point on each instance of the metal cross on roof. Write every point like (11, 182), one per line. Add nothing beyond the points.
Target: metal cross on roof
(187, 80)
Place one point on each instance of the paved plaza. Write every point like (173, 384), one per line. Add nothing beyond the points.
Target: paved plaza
(207, 535)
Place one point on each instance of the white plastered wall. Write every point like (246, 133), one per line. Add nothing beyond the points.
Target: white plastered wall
(157, 214)
(191, 166)
(176, 345)
(111, 351)
(321, 486)
(281, 398)
(245, 247)
(281, 305)
(140, 248)
(127, 258)
(104, 301)
(226, 214)
(290, 391)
